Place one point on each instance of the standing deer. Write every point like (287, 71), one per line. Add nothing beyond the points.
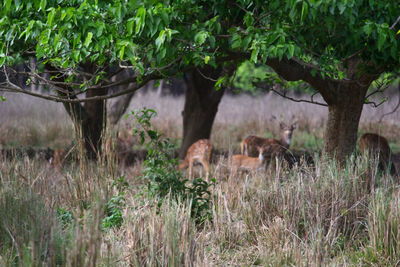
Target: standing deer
(248, 163)
(377, 146)
(199, 151)
(249, 145)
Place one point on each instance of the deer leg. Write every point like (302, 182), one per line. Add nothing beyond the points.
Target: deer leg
(190, 169)
(233, 172)
(206, 167)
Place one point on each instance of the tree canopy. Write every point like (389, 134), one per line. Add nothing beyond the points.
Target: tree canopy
(156, 36)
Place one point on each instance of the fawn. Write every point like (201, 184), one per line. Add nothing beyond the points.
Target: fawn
(249, 163)
(199, 151)
(249, 145)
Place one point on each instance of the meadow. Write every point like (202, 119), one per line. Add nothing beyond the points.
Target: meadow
(101, 214)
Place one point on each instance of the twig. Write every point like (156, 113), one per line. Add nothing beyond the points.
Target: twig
(206, 77)
(284, 95)
(395, 23)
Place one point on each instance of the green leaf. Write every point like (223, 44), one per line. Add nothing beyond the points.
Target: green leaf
(200, 37)
(220, 82)
(7, 5)
(2, 98)
(381, 39)
(88, 39)
(129, 26)
(206, 59)
(246, 41)
(290, 51)
(304, 11)
(140, 19)
(50, 17)
(43, 4)
(160, 39)
(254, 54)
(342, 7)
(236, 41)
(249, 19)
(122, 53)
(367, 29)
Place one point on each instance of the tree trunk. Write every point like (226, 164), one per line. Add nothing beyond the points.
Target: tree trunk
(93, 125)
(343, 119)
(201, 105)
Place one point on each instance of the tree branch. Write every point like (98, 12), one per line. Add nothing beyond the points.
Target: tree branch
(295, 70)
(284, 95)
(16, 89)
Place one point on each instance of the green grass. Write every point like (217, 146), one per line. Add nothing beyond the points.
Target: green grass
(306, 141)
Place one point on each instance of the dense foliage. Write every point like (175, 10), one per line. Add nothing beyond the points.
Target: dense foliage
(152, 34)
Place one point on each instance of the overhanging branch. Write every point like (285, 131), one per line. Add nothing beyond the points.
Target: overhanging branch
(284, 95)
(295, 70)
(10, 87)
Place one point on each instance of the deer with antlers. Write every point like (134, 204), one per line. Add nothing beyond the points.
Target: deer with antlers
(276, 147)
(200, 151)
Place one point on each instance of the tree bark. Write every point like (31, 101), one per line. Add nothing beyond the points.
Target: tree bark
(201, 105)
(94, 123)
(343, 120)
(88, 117)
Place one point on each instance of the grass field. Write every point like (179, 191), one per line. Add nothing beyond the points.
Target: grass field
(87, 214)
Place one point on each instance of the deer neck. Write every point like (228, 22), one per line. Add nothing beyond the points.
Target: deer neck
(286, 138)
(261, 157)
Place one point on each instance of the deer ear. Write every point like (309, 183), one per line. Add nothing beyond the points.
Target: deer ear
(294, 125)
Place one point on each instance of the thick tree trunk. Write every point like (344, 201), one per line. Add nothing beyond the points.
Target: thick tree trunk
(343, 119)
(201, 106)
(93, 125)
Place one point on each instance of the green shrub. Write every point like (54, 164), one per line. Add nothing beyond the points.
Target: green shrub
(113, 212)
(162, 174)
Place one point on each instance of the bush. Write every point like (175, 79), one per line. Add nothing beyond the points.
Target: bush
(162, 174)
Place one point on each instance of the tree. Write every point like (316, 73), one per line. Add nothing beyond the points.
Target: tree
(338, 47)
(201, 105)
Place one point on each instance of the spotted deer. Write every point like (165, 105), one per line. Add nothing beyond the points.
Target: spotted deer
(249, 145)
(199, 151)
(248, 163)
(377, 146)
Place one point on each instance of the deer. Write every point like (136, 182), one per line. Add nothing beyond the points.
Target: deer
(249, 145)
(200, 151)
(249, 163)
(377, 146)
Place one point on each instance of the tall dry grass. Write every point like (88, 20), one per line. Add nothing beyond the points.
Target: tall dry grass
(305, 216)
